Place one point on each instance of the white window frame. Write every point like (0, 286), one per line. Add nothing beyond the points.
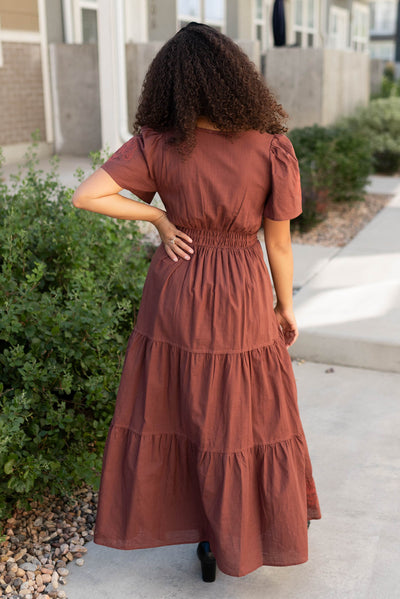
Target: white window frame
(304, 29)
(378, 8)
(383, 50)
(359, 41)
(342, 14)
(182, 18)
(77, 6)
(262, 22)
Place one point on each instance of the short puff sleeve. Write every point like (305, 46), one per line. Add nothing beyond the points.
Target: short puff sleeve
(129, 168)
(284, 200)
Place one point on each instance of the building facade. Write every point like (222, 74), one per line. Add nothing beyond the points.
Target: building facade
(336, 24)
(73, 68)
(384, 15)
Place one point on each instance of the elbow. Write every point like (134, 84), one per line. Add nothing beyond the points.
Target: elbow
(77, 200)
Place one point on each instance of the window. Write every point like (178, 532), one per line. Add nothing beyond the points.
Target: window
(189, 10)
(211, 12)
(89, 26)
(305, 22)
(383, 50)
(383, 17)
(81, 21)
(338, 27)
(360, 27)
(261, 19)
(214, 12)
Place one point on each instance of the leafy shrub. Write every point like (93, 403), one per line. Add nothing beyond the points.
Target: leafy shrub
(309, 144)
(390, 86)
(71, 284)
(389, 71)
(380, 123)
(347, 164)
(335, 163)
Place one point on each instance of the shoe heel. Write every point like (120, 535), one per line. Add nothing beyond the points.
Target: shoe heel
(208, 571)
(208, 561)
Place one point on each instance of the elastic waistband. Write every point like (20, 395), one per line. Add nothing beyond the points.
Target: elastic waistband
(208, 237)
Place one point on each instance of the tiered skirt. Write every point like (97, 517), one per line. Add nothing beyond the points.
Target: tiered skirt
(206, 441)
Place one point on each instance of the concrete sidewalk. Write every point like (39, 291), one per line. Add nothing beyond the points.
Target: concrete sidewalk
(349, 312)
(351, 419)
(66, 169)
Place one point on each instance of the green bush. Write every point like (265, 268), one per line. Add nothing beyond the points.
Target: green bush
(390, 86)
(380, 123)
(309, 144)
(335, 163)
(71, 284)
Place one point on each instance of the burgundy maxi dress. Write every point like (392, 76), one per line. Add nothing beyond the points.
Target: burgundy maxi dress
(206, 441)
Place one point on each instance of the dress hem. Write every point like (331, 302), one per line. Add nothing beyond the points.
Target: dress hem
(101, 540)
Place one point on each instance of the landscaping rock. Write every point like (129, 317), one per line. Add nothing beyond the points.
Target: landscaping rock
(40, 542)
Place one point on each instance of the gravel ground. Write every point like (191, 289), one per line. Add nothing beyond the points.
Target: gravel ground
(41, 542)
(343, 221)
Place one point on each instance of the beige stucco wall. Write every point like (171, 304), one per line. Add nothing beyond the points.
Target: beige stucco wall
(296, 82)
(19, 14)
(346, 83)
(317, 85)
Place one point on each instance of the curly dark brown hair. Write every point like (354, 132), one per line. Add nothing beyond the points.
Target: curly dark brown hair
(202, 72)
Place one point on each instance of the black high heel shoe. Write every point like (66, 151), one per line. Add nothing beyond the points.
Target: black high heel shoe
(208, 561)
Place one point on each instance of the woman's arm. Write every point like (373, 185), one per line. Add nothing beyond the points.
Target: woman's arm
(280, 258)
(99, 193)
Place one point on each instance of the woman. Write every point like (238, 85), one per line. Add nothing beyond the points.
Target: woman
(206, 443)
